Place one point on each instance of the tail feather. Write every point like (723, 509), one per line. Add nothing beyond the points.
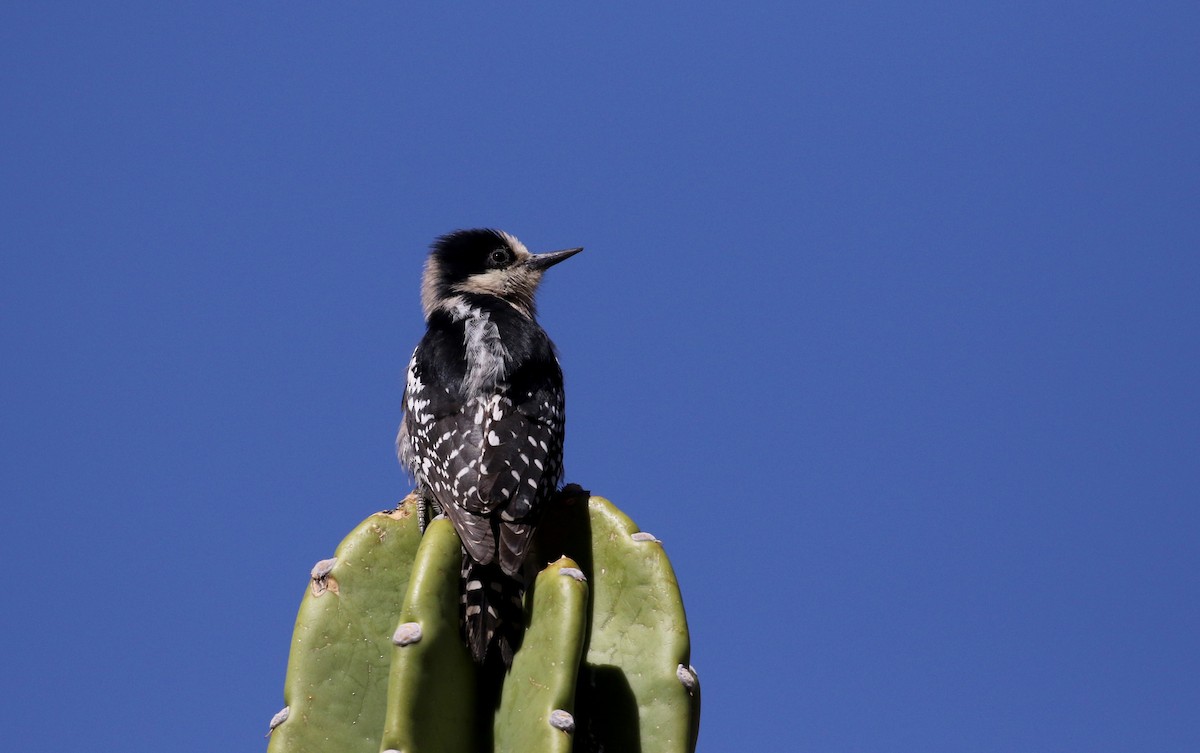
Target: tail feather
(493, 611)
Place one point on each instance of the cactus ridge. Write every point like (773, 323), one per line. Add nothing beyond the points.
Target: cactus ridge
(336, 681)
(539, 691)
(431, 687)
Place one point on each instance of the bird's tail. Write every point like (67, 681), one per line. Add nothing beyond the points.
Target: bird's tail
(493, 611)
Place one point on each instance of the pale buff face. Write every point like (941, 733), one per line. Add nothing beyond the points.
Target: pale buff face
(515, 284)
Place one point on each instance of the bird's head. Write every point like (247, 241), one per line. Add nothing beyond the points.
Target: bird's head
(484, 262)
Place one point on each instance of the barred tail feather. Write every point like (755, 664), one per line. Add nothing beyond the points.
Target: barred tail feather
(493, 611)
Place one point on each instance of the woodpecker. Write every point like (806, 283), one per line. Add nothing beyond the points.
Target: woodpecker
(482, 432)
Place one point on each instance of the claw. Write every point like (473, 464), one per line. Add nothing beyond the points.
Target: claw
(424, 507)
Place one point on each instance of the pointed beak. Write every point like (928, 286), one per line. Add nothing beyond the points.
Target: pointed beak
(545, 261)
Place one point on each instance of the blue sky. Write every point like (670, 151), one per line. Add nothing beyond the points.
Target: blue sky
(887, 326)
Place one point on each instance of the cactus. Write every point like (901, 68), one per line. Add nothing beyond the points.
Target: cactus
(381, 665)
(537, 703)
(336, 685)
(637, 689)
(431, 690)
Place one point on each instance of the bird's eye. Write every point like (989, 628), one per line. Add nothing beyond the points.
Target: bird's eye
(499, 257)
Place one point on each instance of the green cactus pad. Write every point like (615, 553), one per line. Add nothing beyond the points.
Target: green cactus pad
(537, 704)
(432, 685)
(636, 689)
(336, 685)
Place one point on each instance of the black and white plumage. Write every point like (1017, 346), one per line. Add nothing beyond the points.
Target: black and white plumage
(483, 419)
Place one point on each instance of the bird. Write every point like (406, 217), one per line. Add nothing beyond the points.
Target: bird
(483, 424)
